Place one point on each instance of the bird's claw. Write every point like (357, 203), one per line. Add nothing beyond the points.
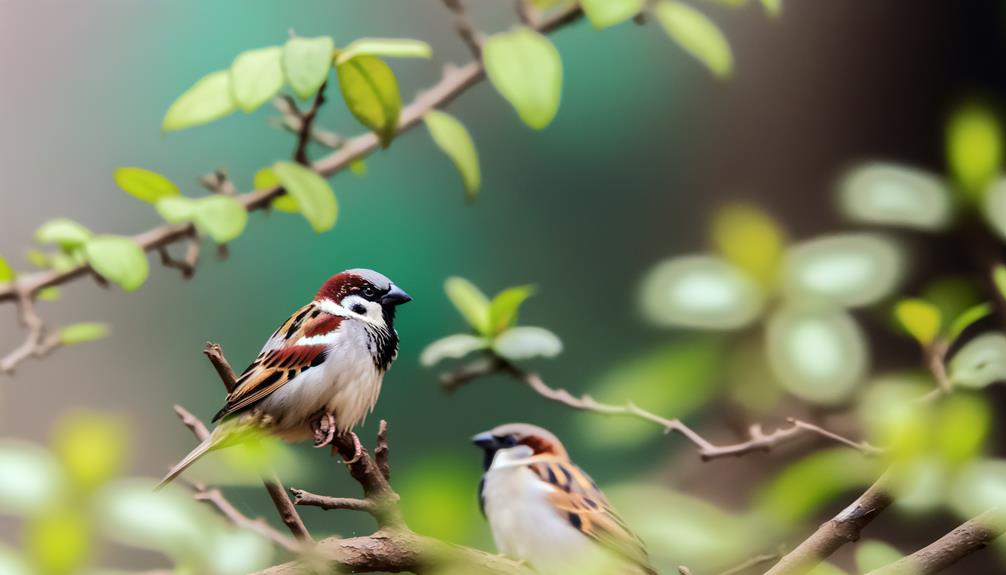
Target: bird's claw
(357, 448)
(324, 431)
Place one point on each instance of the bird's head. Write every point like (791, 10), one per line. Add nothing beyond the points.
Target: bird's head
(517, 441)
(362, 293)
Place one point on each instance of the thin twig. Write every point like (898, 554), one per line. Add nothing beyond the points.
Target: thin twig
(186, 265)
(302, 497)
(287, 510)
(36, 343)
(465, 27)
(216, 498)
(381, 452)
(215, 354)
(306, 125)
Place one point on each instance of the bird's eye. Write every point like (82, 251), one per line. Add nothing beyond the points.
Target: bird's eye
(508, 440)
(368, 292)
(358, 308)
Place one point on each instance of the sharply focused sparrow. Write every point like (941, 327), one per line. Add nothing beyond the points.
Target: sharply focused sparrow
(544, 510)
(321, 370)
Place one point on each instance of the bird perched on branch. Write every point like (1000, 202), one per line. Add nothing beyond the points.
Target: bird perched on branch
(544, 510)
(320, 373)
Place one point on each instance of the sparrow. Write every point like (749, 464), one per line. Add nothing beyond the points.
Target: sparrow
(544, 510)
(321, 371)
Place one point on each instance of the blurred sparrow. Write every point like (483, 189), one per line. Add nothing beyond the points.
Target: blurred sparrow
(320, 373)
(544, 510)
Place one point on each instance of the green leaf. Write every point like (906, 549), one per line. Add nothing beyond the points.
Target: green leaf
(700, 292)
(6, 272)
(207, 100)
(893, 195)
(974, 148)
(962, 426)
(920, 318)
(872, 554)
(980, 362)
(65, 233)
(118, 259)
(11, 562)
(773, 7)
(697, 34)
(266, 179)
(503, 308)
(526, 69)
(524, 342)
(750, 239)
(999, 279)
(221, 217)
(370, 90)
(605, 13)
(92, 448)
(144, 184)
(37, 258)
(312, 193)
(176, 209)
(358, 167)
(993, 207)
(967, 318)
(980, 486)
(58, 540)
(48, 294)
(82, 333)
(387, 47)
(471, 302)
(256, 76)
(306, 62)
(436, 499)
(451, 347)
(30, 477)
(850, 270)
(453, 139)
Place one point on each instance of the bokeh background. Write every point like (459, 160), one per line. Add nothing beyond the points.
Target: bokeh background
(646, 145)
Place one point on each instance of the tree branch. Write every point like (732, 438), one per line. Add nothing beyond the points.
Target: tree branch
(951, 548)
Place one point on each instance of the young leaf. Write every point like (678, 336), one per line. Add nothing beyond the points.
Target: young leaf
(470, 301)
(503, 308)
(370, 90)
(6, 272)
(176, 209)
(256, 76)
(750, 239)
(451, 347)
(118, 259)
(65, 233)
(851, 270)
(697, 34)
(221, 217)
(144, 184)
(893, 195)
(451, 136)
(306, 62)
(702, 292)
(966, 318)
(526, 69)
(265, 179)
(522, 342)
(207, 100)
(388, 47)
(82, 333)
(311, 192)
(919, 318)
(980, 362)
(604, 13)
(974, 148)
(58, 540)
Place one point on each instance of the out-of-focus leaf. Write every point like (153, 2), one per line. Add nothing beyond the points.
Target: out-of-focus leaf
(266, 179)
(144, 184)
(920, 484)
(358, 167)
(817, 355)
(207, 100)
(526, 69)
(700, 292)
(6, 272)
(847, 269)
(306, 62)
(979, 487)
(894, 195)
(999, 278)
(470, 301)
(91, 446)
(58, 540)
(920, 318)
(453, 139)
(387, 47)
(980, 362)
(37, 258)
(893, 418)
(952, 295)
(259, 454)
(967, 318)
(994, 207)
(604, 13)
(525, 342)
(750, 239)
(451, 347)
(974, 148)
(370, 90)
(256, 76)
(751, 381)
(963, 424)
(221, 217)
(48, 294)
(82, 333)
(312, 193)
(29, 477)
(176, 209)
(65, 233)
(773, 7)
(118, 259)
(503, 308)
(12, 564)
(238, 552)
(437, 497)
(697, 34)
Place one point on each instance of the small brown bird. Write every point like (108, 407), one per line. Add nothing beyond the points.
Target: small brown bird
(545, 510)
(322, 368)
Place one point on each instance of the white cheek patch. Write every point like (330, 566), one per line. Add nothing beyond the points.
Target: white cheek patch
(373, 313)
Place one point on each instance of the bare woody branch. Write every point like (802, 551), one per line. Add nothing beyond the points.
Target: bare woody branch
(215, 498)
(951, 548)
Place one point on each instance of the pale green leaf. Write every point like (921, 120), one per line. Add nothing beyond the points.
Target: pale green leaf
(176, 209)
(387, 47)
(221, 217)
(524, 342)
(750, 239)
(697, 34)
(91, 446)
(11, 563)
(872, 554)
(37, 258)
(526, 69)
(82, 333)
(471, 302)
(974, 148)
(144, 184)
(920, 318)
(967, 318)
(999, 279)
(312, 193)
(256, 76)
(358, 167)
(451, 347)
(118, 259)
(993, 207)
(238, 552)
(503, 308)
(893, 195)
(979, 487)
(962, 426)
(980, 362)
(773, 7)
(6, 272)
(846, 269)
(207, 100)
(29, 477)
(453, 139)
(370, 90)
(266, 179)
(58, 540)
(51, 293)
(306, 62)
(65, 233)
(605, 13)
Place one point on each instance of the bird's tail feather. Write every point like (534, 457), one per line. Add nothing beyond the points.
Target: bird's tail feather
(200, 450)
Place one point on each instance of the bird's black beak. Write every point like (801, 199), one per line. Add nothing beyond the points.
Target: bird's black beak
(485, 440)
(395, 296)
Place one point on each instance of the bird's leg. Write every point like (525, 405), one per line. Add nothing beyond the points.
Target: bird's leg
(324, 430)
